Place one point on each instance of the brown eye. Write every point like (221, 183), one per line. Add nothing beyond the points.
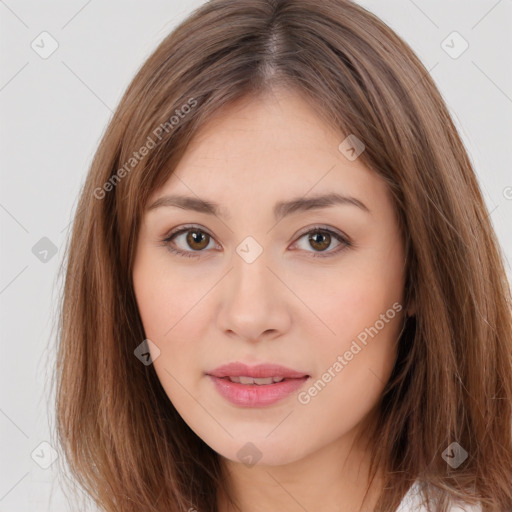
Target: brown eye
(196, 239)
(320, 240)
(192, 242)
(189, 241)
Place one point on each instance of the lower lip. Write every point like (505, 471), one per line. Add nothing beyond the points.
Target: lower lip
(254, 395)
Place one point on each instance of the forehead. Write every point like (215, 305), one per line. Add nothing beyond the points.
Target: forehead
(269, 147)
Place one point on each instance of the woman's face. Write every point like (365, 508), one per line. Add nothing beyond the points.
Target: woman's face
(277, 276)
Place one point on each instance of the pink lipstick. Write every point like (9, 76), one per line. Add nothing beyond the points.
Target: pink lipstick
(256, 386)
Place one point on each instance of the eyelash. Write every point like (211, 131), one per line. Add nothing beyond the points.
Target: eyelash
(316, 229)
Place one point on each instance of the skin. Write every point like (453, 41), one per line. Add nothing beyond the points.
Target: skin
(286, 307)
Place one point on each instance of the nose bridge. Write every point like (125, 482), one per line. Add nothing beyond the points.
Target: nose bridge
(251, 303)
(250, 280)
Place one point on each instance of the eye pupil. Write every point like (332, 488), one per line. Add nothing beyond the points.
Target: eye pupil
(193, 236)
(325, 236)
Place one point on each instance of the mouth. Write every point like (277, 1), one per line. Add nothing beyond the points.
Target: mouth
(255, 386)
(259, 372)
(262, 381)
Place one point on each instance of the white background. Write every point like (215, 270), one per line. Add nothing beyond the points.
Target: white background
(54, 112)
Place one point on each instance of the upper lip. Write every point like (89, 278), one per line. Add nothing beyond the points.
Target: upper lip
(237, 369)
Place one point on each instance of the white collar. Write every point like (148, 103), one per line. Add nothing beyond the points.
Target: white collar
(413, 501)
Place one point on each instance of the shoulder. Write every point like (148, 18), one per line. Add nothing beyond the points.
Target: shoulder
(413, 501)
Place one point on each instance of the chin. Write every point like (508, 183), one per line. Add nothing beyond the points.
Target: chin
(262, 452)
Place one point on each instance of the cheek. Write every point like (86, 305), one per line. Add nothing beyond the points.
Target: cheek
(362, 314)
(170, 322)
(350, 303)
(163, 297)
(157, 305)
(174, 313)
(352, 371)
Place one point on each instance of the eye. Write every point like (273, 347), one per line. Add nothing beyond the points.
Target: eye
(319, 238)
(195, 238)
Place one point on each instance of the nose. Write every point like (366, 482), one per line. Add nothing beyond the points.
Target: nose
(253, 302)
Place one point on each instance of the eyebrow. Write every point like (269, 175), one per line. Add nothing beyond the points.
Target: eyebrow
(281, 209)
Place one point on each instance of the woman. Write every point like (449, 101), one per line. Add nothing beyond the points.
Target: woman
(213, 357)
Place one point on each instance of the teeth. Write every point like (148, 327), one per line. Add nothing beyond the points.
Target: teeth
(258, 381)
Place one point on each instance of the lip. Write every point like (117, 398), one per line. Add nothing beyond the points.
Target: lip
(237, 369)
(255, 395)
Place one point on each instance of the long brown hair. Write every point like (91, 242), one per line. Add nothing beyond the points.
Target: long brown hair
(124, 442)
